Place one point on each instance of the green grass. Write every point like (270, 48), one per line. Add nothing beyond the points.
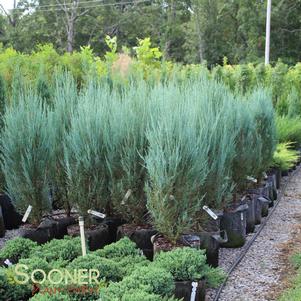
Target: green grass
(294, 292)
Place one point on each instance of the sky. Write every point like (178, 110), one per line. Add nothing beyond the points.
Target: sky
(7, 3)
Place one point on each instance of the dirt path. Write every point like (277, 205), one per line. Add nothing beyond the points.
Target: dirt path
(260, 275)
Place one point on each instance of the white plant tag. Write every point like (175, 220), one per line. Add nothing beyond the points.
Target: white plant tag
(8, 263)
(210, 212)
(82, 235)
(241, 216)
(28, 210)
(252, 179)
(96, 213)
(126, 197)
(265, 175)
(193, 291)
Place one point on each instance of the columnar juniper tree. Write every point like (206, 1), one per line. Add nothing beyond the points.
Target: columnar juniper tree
(3, 96)
(26, 143)
(43, 88)
(125, 144)
(84, 151)
(217, 111)
(261, 108)
(176, 160)
(248, 145)
(64, 104)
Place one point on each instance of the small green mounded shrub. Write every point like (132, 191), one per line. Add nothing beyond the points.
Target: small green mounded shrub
(285, 157)
(59, 249)
(188, 264)
(34, 263)
(138, 295)
(50, 297)
(9, 289)
(121, 248)
(108, 269)
(289, 130)
(128, 264)
(17, 248)
(151, 279)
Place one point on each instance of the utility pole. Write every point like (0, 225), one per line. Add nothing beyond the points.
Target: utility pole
(268, 33)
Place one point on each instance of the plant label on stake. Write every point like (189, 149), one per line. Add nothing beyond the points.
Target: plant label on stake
(126, 197)
(210, 212)
(193, 291)
(252, 179)
(82, 235)
(28, 210)
(96, 213)
(265, 175)
(8, 263)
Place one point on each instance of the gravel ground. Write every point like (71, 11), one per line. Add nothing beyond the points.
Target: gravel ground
(259, 272)
(9, 234)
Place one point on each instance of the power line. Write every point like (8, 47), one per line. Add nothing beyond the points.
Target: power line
(87, 7)
(56, 5)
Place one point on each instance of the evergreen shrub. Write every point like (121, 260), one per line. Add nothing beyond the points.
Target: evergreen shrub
(26, 144)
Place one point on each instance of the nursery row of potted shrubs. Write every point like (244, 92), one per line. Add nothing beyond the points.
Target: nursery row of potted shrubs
(149, 158)
(123, 272)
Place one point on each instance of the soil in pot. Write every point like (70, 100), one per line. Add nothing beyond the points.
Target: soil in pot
(234, 222)
(141, 235)
(2, 227)
(12, 219)
(97, 236)
(162, 244)
(184, 289)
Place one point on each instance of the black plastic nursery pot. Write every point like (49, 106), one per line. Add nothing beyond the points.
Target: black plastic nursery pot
(250, 213)
(48, 229)
(277, 173)
(113, 223)
(2, 227)
(264, 206)
(97, 237)
(141, 236)
(271, 184)
(258, 209)
(234, 222)
(264, 192)
(12, 219)
(184, 290)
(211, 242)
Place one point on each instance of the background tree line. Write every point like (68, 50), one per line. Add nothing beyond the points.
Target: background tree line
(188, 31)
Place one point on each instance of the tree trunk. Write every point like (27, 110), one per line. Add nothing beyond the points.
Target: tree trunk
(70, 36)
